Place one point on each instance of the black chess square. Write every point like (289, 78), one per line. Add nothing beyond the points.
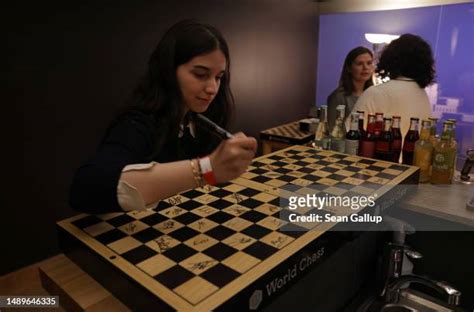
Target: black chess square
(361, 176)
(220, 204)
(249, 192)
(120, 220)
(367, 161)
(256, 231)
(375, 168)
(183, 234)
(189, 205)
(87, 221)
(260, 250)
(329, 169)
(301, 163)
(146, 235)
(345, 162)
(279, 163)
(220, 217)
(259, 171)
(306, 170)
(336, 177)
(352, 168)
(311, 177)
(220, 275)
(324, 163)
(153, 219)
(179, 252)
(276, 157)
(219, 251)
(282, 170)
(250, 203)
(287, 178)
(397, 167)
(297, 157)
(139, 254)
(192, 194)
(261, 179)
(257, 164)
(110, 236)
(385, 175)
(174, 277)
(253, 216)
(187, 218)
(162, 205)
(221, 193)
(220, 232)
(275, 202)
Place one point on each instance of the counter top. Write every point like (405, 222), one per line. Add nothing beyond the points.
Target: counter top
(443, 201)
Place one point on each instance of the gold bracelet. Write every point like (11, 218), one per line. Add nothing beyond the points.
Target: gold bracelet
(196, 174)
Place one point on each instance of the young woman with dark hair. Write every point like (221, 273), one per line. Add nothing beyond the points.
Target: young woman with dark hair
(157, 147)
(408, 62)
(356, 76)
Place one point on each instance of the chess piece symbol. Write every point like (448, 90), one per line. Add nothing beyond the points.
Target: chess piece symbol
(255, 300)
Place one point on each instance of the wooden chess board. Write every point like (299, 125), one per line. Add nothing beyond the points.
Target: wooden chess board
(210, 247)
(288, 133)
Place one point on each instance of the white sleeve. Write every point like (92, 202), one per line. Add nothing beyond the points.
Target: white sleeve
(127, 195)
(371, 101)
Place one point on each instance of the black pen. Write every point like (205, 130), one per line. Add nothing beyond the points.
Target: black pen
(215, 127)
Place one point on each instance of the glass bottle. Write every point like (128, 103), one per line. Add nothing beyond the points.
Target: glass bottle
(454, 145)
(409, 143)
(322, 140)
(378, 124)
(383, 145)
(424, 151)
(443, 154)
(361, 122)
(397, 139)
(353, 135)
(367, 143)
(434, 137)
(338, 133)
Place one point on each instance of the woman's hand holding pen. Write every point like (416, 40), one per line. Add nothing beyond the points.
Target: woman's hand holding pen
(232, 157)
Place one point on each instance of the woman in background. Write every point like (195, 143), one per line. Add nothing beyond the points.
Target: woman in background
(408, 62)
(356, 76)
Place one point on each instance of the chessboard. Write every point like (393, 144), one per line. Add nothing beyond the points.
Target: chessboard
(288, 133)
(210, 247)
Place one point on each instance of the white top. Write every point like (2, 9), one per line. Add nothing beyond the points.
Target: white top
(402, 98)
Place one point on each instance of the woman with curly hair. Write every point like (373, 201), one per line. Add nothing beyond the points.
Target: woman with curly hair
(408, 62)
(356, 76)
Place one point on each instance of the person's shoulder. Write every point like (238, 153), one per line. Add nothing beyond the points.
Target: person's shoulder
(337, 95)
(339, 91)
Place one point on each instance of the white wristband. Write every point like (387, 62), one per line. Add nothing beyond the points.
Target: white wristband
(205, 164)
(206, 170)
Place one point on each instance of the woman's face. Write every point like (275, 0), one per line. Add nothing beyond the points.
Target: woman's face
(200, 79)
(362, 68)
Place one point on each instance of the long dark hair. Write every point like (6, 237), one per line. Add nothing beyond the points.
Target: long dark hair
(345, 81)
(409, 56)
(158, 92)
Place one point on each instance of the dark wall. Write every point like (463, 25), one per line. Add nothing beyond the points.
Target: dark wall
(69, 66)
